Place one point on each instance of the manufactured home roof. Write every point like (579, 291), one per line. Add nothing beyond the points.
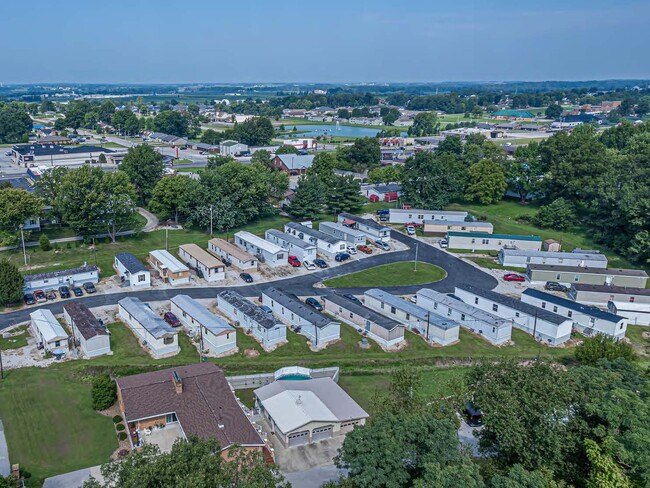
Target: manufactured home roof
(591, 256)
(368, 222)
(612, 290)
(293, 404)
(293, 240)
(588, 270)
(412, 309)
(130, 262)
(316, 234)
(167, 260)
(470, 311)
(265, 320)
(202, 256)
(481, 235)
(259, 242)
(48, 326)
(298, 307)
(64, 272)
(202, 315)
(571, 305)
(450, 213)
(325, 226)
(487, 225)
(630, 307)
(231, 249)
(510, 302)
(84, 320)
(146, 317)
(364, 312)
(296, 161)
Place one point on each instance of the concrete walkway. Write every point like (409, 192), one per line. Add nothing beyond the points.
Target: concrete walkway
(74, 479)
(5, 466)
(152, 220)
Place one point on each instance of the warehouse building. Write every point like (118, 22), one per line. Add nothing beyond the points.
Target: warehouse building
(326, 244)
(351, 236)
(442, 227)
(601, 294)
(206, 265)
(482, 241)
(170, 269)
(541, 273)
(232, 255)
(304, 251)
(131, 271)
(154, 333)
(520, 258)
(55, 155)
(91, 337)
(369, 227)
(418, 215)
(265, 251)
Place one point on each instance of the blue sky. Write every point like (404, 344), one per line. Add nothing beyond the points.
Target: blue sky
(167, 41)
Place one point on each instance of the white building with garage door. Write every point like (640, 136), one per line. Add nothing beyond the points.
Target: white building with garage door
(307, 411)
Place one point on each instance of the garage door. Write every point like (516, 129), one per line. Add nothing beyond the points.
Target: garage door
(298, 438)
(321, 433)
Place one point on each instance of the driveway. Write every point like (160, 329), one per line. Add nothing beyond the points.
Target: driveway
(152, 220)
(74, 479)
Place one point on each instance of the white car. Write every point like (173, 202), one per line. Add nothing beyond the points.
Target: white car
(351, 250)
(309, 265)
(410, 230)
(413, 299)
(444, 243)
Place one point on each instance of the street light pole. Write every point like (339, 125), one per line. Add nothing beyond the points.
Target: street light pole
(22, 238)
(210, 220)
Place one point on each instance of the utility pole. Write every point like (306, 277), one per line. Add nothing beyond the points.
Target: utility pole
(428, 323)
(210, 220)
(22, 238)
(415, 264)
(2, 370)
(535, 326)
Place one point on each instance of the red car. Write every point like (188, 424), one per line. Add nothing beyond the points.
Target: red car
(294, 261)
(171, 319)
(364, 249)
(513, 277)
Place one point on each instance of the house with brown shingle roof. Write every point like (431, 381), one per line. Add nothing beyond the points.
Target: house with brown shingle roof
(162, 406)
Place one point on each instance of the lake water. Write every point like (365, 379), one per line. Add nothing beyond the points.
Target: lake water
(331, 130)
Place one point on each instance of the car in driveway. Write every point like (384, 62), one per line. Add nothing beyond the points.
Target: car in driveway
(39, 296)
(514, 277)
(294, 261)
(78, 292)
(350, 250)
(352, 298)
(64, 291)
(89, 288)
(171, 319)
(246, 277)
(473, 415)
(50, 295)
(342, 256)
(382, 245)
(410, 230)
(413, 299)
(364, 249)
(321, 263)
(314, 303)
(555, 286)
(444, 243)
(29, 299)
(309, 265)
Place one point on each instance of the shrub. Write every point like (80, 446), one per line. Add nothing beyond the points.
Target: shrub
(602, 347)
(104, 392)
(44, 242)
(120, 427)
(68, 245)
(122, 436)
(117, 419)
(558, 215)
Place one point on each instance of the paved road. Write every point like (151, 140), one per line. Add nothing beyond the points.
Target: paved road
(457, 270)
(152, 220)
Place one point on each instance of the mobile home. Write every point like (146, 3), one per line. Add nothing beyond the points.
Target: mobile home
(326, 244)
(160, 339)
(206, 265)
(88, 334)
(265, 251)
(170, 269)
(352, 237)
(418, 215)
(304, 251)
(482, 241)
(541, 273)
(520, 258)
(232, 255)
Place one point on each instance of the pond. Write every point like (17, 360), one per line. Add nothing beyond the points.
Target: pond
(331, 130)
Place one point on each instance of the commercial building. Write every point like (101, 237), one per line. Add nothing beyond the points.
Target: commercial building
(131, 271)
(265, 251)
(170, 269)
(482, 241)
(492, 328)
(587, 320)
(303, 319)
(264, 326)
(442, 227)
(601, 294)
(634, 313)
(48, 332)
(296, 247)
(294, 164)
(206, 265)
(542, 273)
(432, 326)
(154, 333)
(385, 331)
(232, 148)
(67, 277)
(232, 255)
(369, 227)
(214, 336)
(418, 215)
(184, 401)
(91, 337)
(351, 236)
(543, 325)
(520, 258)
(325, 243)
(55, 155)
(308, 411)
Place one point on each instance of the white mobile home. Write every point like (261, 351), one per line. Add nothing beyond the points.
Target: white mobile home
(542, 324)
(587, 320)
(326, 244)
(265, 251)
(48, 331)
(442, 227)
(131, 271)
(170, 269)
(303, 319)
(520, 258)
(369, 227)
(232, 255)
(493, 329)
(567, 275)
(206, 265)
(352, 236)
(88, 334)
(481, 241)
(55, 279)
(304, 251)
(215, 337)
(418, 215)
(601, 294)
(384, 330)
(266, 329)
(634, 313)
(154, 333)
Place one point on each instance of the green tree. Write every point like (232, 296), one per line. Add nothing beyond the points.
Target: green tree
(44, 243)
(386, 174)
(523, 174)
(169, 194)
(15, 125)
(102, 158)
(309, 197)
(16, 206)
(104, 392)
(48, 187)
(518, 477)
(553, 111)
(193, 109)
(432, 181)
(465, 473)
(216, 160)
(106, 111)
(558, 215)
(451, 145)
(144, 167)
(262, 157)
(323, 165)
(389, 115)
(285, 149)
(363, 154)
(593, 349)
(343, 194)
(211, 136)
(11, 283)
(605, 472)
(47, 106)
(424, 124)
(344, 113)
(126, 122)
(487, 182)
(257, 131)
(170, 122)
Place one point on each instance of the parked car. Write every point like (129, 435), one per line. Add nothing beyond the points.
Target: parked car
(8, 153)
(555, 286)
(294, 261)
(246, 277)
(89, 288)
(314, 303)
(382, 245)
(320, 263)
(50, 295)
(171, 319)
(29, 299)
(364, 249)
(266, 309)
(78, 292)
(514, 277)
(352, 298)
(410, 230)
(64, 291)
(444, 243)
(473, 415)
(342, 256)
(350, 249)
(413, 299)
(39, 296)
(309, 265)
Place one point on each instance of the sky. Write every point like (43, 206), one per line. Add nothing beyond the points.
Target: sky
(163, 41)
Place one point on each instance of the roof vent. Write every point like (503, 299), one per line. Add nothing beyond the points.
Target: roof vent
(299, 400)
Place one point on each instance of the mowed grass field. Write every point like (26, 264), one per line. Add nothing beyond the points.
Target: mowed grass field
(394, 274)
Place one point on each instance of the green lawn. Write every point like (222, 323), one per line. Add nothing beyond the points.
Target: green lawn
(394, 274)
(491, 263)
(14, 342)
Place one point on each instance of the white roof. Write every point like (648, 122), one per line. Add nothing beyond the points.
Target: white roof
(202, 315)
(259, 242)
(586, 256)
(293, 404)
(458, 222)
(631, 307)
(324, 226)
(167, 260)
(422, 211)
(48, 326)
(146, 317)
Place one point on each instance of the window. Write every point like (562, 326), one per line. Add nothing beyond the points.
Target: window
(631, 299)
(620, 326)
(435, 306)
(281, 256)
(516, 314)
(463, 228)
(408, 316)
(560, 261)
(528, 259)
(228, 336)
(141, 278)
(543, 304)
(570, 313)
(184, 313)
(420, 217)
(557, 276)
(462, 316)
(340, 309)
(554, 308)
(392, 309)
(495, 307)
(448, 312)
(487, 241)
(351, 315)
(576, 278)
(168, 340)
(57, 343)
(382, 305)
(291, 315)
(494, 329)
(592, 321)
(475, 300)
(473, 241)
